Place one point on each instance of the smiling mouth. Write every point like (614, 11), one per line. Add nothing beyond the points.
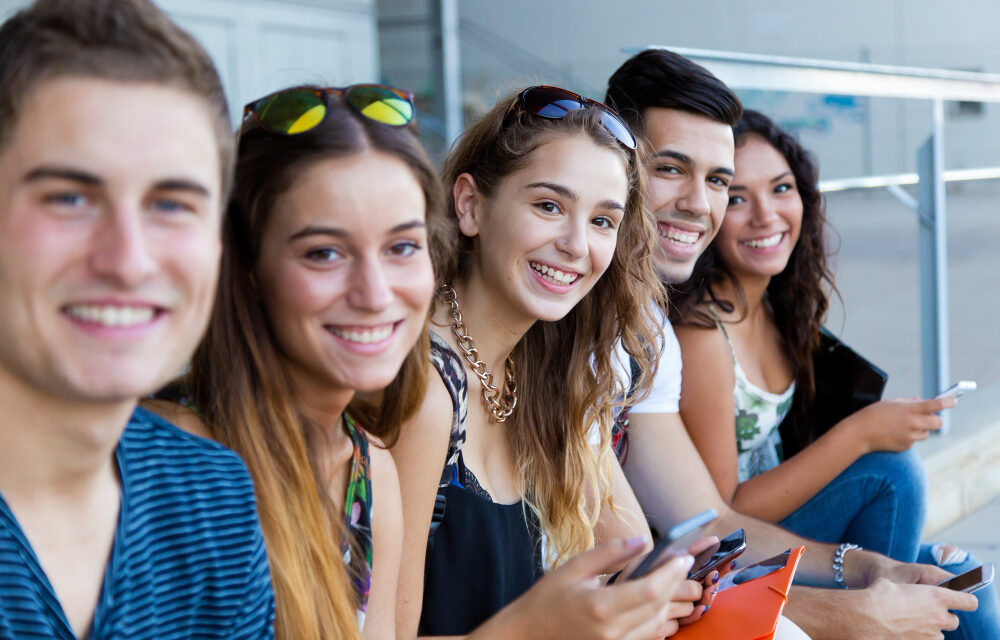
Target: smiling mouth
(363, 335)
(555, 276)
(677, 236)
(764, 243)
(112, 315)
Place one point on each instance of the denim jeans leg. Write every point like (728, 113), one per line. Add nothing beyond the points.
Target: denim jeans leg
(878, 502)
(980, 624)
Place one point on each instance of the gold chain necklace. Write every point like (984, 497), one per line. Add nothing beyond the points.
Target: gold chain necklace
(499, 403)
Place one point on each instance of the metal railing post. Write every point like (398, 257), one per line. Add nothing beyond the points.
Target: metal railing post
(451, 70)
(934, 261)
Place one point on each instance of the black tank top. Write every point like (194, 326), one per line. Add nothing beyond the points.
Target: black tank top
(481, 555)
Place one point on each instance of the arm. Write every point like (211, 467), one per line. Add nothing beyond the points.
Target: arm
(419, 454)
(707, 411)
(892, 425)
(884, 610)
(626, 519)
(706, 408)
(672, 483)
(387, 543)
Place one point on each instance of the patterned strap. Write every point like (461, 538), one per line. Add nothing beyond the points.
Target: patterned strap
(619, 430)
(356, 544)
(452, 372)
(725, 334)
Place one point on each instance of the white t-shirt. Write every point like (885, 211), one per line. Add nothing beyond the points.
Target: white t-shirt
(665, 395)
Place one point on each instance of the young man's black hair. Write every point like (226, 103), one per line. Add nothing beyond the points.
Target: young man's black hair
(661, 78)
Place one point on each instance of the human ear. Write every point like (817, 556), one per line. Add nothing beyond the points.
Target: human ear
(468, 204)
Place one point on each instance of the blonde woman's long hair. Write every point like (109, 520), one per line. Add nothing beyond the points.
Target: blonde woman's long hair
(238, 382)
(566, 380)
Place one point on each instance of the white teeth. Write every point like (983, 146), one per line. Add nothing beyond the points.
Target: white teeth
(678, 236)
(764, 243)
(111, 316)
(364, 336)
(554, 276)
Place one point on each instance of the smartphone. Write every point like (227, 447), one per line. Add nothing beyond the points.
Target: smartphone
(718, 555)
(675, 543)
(958, 390)
(970, 580)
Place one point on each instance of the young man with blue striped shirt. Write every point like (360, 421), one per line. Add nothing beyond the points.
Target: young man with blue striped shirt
(114, 167)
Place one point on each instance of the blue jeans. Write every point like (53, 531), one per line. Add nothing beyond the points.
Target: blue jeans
(878, 502)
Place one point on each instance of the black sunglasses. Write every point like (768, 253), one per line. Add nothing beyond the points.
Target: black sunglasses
(555, 102)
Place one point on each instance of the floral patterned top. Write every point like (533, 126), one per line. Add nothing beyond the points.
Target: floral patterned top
(356, 544)
(758, 415)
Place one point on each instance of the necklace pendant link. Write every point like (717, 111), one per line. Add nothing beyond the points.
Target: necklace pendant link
(499, 403)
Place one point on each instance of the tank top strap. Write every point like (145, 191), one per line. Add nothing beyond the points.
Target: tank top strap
(452, 372)
(725, 334)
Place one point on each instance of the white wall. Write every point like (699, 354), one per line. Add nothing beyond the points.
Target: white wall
(262, 45)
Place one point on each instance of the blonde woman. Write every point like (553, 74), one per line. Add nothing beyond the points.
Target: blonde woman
(553, 268)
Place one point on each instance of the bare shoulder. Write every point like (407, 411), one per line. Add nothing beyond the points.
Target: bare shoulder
(430, 427)
(178, 415)
(383, 468)
(704, 344)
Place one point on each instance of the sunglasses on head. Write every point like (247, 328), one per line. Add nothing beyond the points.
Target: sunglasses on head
(297, 110)
(554, 102)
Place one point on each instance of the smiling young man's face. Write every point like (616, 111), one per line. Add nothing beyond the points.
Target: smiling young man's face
(110, 206)
(687, 191)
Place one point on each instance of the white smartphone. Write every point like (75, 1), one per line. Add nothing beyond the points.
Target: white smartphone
(958, 390)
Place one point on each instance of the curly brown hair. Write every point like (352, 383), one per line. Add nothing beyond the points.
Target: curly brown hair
(798, 296)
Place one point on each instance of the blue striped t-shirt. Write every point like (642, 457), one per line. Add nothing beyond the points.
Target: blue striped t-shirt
(188, 559)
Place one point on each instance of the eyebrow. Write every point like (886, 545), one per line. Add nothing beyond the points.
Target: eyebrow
(571, 195)
(686, 159)
(61, 173)
(182, 184)
(739, 187)
(83, 177)
(337, 232)
(565, 192)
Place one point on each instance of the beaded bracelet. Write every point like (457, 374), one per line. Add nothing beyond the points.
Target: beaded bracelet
(838, 562)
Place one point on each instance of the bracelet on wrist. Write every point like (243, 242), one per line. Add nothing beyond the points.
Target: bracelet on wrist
(838, 562)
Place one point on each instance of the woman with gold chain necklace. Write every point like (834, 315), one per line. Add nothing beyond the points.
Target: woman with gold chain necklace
(497, 477)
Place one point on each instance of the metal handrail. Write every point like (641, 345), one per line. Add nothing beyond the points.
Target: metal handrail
(805, 75)
(802, 75)
(903, 179)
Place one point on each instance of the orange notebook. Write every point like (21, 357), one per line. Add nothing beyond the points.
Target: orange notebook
(747, 611)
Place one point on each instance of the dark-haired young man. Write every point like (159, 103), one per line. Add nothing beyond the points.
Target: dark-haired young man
(114, 156)
(686, 115)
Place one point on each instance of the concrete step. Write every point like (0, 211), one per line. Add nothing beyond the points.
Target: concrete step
(963, 467)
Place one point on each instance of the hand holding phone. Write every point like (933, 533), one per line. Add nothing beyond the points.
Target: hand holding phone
(958, 390)
(675, 543)
(970, 580)
(718, 555)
